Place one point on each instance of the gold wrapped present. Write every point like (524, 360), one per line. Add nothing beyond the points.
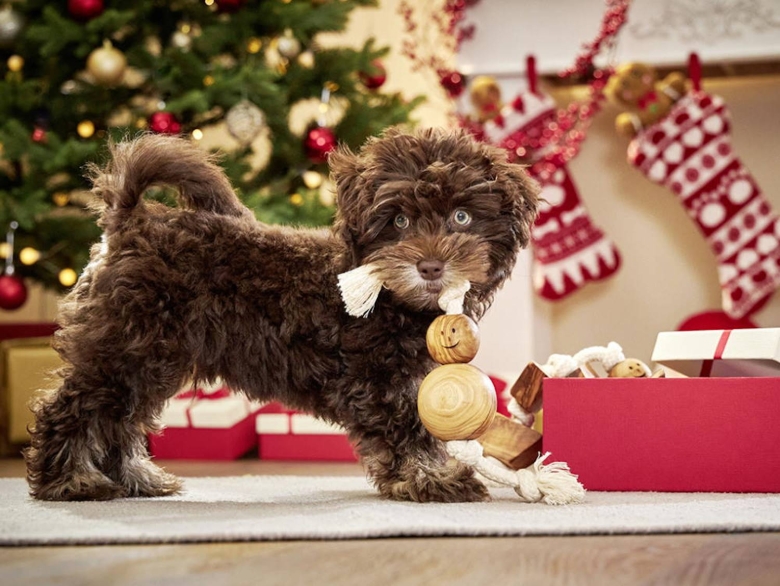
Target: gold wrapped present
(26, 366)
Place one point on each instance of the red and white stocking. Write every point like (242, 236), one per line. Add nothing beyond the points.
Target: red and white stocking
(689, 151)
(569, 249)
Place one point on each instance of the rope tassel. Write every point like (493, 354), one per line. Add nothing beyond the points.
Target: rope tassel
(552, 484)
(360, 289)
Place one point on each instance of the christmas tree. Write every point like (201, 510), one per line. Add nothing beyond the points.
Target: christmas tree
(81, 72)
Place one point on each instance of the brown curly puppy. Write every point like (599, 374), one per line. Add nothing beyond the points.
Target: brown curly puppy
(205, 291)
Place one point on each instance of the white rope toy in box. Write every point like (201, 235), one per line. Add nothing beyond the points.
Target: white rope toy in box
(562, 365)
(553, 484)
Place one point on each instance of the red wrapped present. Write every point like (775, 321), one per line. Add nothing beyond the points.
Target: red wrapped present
(713, 434)
(206, 424)
(283, 434)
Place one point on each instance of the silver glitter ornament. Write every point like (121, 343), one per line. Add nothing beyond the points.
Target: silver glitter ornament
(245, 121)
(11, 24)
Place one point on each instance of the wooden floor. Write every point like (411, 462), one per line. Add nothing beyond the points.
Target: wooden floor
(727, 559)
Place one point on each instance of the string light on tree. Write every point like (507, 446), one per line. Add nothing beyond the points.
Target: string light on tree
(197, 134)
(296, 199)
(312, 179)
(29, 255)
(60, 199)
(85, 128)
(254, 45)
(306, 59)
(67, 277)
(15, 63)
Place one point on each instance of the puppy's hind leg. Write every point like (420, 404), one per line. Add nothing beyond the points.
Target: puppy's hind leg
(88, 442)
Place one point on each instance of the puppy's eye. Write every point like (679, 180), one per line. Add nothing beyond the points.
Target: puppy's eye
(401, 222)
(461, 217)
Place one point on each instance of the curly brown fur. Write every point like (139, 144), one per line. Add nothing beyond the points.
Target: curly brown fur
(205, 291)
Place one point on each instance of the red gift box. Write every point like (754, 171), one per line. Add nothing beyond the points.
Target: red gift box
(716, 434)
(283, 434)
(205, 424)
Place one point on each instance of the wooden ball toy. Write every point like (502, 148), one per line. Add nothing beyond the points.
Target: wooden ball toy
(452, 339)
(457, 402)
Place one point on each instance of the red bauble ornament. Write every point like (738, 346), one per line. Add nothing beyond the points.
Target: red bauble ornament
(453, 82)
(375, 78)
(229, 5)
(318, 143)
(85, 9)
(164, 123)
(13, 292)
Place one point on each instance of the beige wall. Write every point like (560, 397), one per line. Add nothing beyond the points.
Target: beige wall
(668, 271)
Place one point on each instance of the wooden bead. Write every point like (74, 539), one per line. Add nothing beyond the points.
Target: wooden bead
(457, 402)
(452, 339)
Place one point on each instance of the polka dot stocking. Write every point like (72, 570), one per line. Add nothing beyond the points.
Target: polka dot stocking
(689, 151)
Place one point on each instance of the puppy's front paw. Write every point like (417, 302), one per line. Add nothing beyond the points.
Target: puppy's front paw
(456, 485)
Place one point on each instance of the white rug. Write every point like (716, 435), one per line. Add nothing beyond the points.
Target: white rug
(255, 508)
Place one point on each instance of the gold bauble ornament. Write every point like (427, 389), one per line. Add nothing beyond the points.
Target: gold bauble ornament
(245, 121)
(107, 65)
(288, 46)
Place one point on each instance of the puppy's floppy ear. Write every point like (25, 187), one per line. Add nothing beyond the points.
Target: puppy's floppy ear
(525, 199)
(346, 168)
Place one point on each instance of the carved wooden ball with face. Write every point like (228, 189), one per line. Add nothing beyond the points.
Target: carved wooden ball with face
(452, 339)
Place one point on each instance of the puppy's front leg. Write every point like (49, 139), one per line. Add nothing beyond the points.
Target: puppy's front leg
(405, 462)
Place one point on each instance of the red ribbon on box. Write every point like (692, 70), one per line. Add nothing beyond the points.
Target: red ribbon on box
(199, 394)
(706, 365)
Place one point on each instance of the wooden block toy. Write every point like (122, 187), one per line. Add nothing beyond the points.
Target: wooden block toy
(511, 443)
(527, 389)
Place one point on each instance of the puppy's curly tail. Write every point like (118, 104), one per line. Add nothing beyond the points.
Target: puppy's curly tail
(157, 159)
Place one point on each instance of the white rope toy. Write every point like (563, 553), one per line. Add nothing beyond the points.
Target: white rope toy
(552, 484)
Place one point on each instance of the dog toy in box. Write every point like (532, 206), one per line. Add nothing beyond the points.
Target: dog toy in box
(205, 291)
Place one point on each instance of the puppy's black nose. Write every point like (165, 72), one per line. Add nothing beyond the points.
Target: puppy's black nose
(430, 270)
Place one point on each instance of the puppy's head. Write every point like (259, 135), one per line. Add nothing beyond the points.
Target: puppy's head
(431, 209)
